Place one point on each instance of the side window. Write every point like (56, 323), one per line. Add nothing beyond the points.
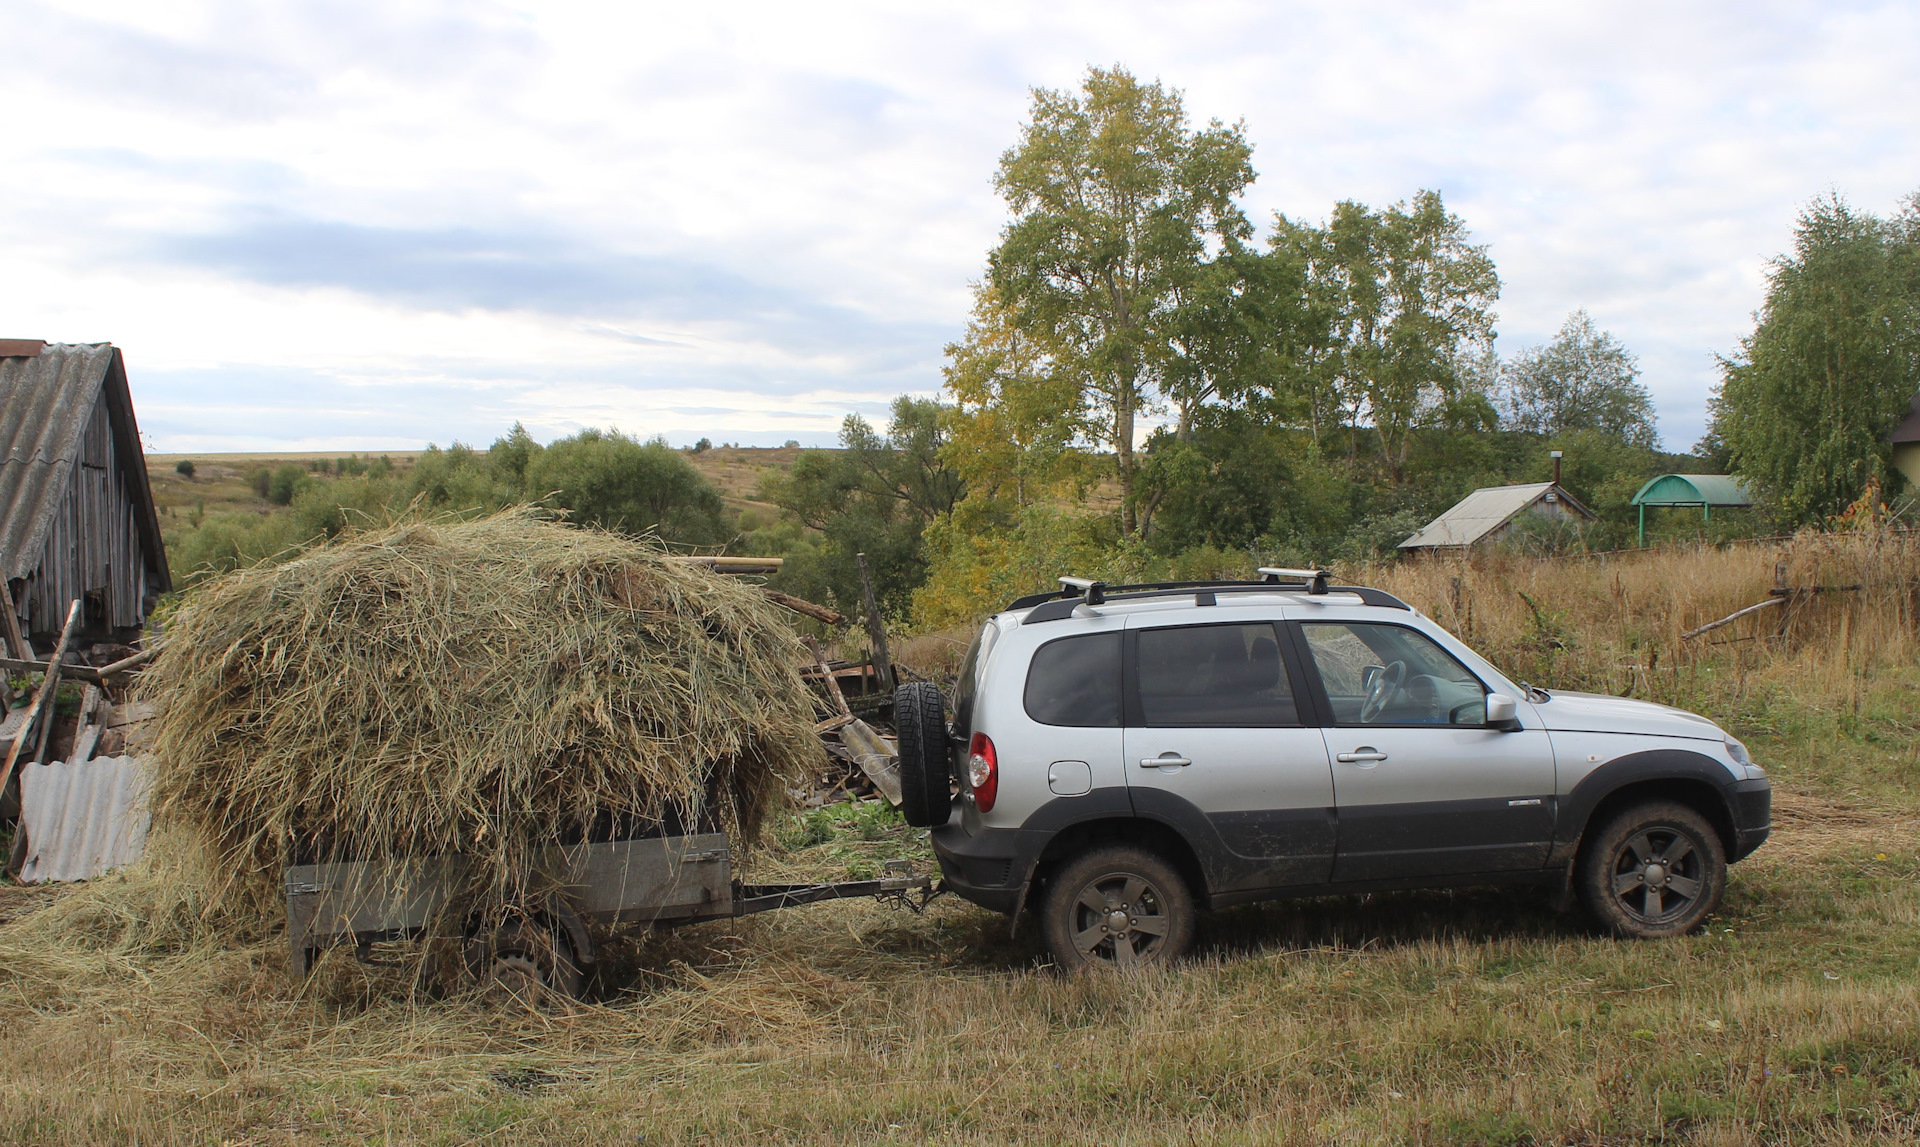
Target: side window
(967, 683)
(1391, 675)
(1214, 676)
(1076, 681)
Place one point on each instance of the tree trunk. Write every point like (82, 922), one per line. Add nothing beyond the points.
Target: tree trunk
(1123, 448)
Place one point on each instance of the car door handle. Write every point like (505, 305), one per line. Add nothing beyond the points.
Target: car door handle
(1165, 761)
(1366, 753)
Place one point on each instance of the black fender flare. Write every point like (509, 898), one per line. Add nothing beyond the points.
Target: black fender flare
(1575, 809)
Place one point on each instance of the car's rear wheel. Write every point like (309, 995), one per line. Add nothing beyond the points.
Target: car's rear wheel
(1117, 907)
(920, 717)
(1654, 870)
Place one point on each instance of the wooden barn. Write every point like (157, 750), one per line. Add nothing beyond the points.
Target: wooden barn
(77, 520)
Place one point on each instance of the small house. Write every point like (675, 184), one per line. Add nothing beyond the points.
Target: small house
(77, 519)
(1493, 512)
(1906, 445)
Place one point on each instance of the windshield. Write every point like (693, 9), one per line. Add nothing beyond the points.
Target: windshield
(967, 684)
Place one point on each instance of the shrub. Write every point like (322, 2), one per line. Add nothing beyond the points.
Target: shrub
(184, 468)
(285, 482)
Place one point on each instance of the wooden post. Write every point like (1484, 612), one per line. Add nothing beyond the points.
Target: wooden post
(41, 700)
(15, 639)
(876, 629)
(1781, 591)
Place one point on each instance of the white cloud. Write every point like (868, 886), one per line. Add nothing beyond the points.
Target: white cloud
(341, 226)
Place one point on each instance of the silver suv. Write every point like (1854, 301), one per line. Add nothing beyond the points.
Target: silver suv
(1125, 754)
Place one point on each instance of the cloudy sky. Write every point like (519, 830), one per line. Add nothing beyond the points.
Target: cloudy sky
(353, 226)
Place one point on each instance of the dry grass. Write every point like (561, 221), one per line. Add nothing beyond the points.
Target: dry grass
(479, 687)
(1460, 1018)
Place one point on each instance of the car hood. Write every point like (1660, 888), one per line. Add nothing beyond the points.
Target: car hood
(1599, 713)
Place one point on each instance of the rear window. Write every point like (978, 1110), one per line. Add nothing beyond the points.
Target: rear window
(1075, 681)
(967, 683)
(1214, 676)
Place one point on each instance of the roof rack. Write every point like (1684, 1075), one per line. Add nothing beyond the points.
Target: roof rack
(1075, 592)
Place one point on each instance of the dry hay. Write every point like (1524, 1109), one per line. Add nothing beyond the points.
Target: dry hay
(485, 687)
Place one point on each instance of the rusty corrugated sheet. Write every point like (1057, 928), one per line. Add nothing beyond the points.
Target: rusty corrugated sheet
(82, 820)
(76, 510)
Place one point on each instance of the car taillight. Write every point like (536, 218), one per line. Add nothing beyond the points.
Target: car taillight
(983, 772)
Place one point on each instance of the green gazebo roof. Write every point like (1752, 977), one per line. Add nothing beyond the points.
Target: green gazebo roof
(1693, 490)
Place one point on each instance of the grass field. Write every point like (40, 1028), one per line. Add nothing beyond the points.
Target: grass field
(1460, 1018)
(220, 481)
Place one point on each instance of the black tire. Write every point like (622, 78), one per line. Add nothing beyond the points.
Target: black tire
(527, 962)
(1652, 871)
(920, 717)
(1144, 916)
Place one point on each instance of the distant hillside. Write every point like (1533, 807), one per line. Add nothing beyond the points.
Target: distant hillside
(220, 481)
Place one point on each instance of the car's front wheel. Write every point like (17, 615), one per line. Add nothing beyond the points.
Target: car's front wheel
(1654, 870)
(1116, 907)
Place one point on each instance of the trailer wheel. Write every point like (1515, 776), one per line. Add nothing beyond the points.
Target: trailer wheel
(528, 962)
(920, 714)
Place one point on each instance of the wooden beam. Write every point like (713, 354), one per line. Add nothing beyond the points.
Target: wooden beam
(48, 685)
(806, 608)
(833, 685)
(729, 565)
(1733, 617)
(68, 669)
(16, 643)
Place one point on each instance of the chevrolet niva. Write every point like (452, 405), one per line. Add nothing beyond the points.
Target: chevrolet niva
(1124, 755)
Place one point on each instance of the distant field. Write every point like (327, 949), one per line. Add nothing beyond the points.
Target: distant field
(219, 484)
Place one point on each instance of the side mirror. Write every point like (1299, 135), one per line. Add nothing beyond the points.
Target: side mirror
(1501, 713)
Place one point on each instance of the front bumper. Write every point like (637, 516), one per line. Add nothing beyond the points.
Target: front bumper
(1752, 806)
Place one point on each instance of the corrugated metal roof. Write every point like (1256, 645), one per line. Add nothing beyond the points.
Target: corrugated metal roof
(82, 820)
(1692, 490)
(1484, 511)
(45, 401)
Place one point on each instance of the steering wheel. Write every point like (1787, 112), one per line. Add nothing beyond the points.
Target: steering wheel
(1385, 684)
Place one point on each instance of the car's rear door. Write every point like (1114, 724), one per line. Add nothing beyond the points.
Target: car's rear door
(1423, 786)
(1215, 744)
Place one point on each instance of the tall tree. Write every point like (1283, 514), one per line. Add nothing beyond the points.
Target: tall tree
(1393, 302)
(1017, 415)
(1418, 294)
(1585, 379)
(1116, 202)
(875, 495)
(1805, 406)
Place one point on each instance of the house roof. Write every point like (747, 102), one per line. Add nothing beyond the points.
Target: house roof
(1484, 511)
(1693, 490)
(1909, 428)
(47, 395)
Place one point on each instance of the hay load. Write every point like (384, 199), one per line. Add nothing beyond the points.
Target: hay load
(486, 687)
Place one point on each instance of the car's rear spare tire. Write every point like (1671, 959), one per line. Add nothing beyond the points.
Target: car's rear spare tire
(1116, 907)
(1652, 871)
(920, 717)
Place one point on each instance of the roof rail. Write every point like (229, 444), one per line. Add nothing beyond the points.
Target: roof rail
(1316, 580)
(1076, 592)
